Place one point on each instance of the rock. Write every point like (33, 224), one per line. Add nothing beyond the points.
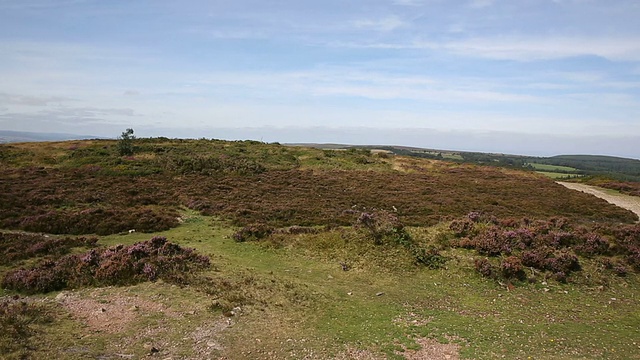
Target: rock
(61, 296)
(236, 311)
(151, 349)
(134, 308)
(379, 294)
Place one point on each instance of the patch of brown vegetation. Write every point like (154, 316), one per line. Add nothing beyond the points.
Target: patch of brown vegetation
(98, 192)
(433, 350)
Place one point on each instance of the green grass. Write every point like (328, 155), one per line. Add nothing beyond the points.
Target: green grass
(553, 168)
(296, 299)
(452, 156)
(556, 175)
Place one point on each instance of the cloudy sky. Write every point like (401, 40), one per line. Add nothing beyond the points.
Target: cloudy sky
(539, 77)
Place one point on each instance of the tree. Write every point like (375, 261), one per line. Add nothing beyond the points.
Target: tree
(125, 143)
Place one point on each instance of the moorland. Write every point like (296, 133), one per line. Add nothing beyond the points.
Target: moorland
(189, 249)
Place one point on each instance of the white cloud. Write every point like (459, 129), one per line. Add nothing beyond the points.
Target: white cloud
(532, 48)
(521, 48)
(16, 99)
(389, 23)
(481, 3)
(408, 2)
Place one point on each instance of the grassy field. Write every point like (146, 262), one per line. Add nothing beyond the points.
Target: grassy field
(553, 168)
(296, 301)
(313, 254)
(555, 171)
(556, 175)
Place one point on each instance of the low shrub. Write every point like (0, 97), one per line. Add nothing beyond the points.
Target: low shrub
(97, 221)
(536, 258)
(120, 265)
(511, 267)
(462, 227)
(253, 232)
(562, 261)
(429, 257)
(593, 245)
(19, 246)
(484, 267)
(383, 227)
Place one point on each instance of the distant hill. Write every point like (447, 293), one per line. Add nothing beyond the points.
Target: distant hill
(25, 136)
(622, 169)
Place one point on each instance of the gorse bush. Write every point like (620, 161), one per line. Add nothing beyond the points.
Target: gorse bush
(120, 265)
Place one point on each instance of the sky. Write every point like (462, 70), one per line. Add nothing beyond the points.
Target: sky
(530, 77)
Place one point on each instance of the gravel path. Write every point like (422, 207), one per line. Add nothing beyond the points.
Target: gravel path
(624, 201)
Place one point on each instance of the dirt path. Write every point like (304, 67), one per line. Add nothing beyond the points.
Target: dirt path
(624, 201)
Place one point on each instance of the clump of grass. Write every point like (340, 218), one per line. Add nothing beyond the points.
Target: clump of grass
(18, 319)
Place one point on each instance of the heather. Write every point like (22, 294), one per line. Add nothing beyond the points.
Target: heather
(104, 194)
(120, 265)
(319, 254)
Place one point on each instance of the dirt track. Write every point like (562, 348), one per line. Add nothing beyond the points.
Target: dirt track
(624, 201)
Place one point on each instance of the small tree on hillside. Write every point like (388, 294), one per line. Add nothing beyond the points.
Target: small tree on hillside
(125, 143)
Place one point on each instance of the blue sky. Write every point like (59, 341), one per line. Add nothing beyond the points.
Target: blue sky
(539, 77)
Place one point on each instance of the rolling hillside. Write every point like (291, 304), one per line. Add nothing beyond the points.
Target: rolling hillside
(240, 250)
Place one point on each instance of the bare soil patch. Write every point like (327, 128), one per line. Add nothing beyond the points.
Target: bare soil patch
(109, 313)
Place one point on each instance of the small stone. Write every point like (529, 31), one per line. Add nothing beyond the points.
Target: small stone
(349, 293)
(379, 294)
(329, 277)
(151, 349)
(134, 308)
